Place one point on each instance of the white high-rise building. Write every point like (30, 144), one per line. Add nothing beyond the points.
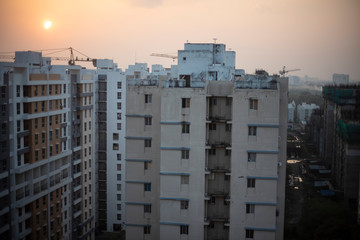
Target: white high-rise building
(305, 110)
(110, 135)
(206, 151)
(340, 78)
(291, 111)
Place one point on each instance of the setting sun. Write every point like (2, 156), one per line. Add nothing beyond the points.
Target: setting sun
(47, 24)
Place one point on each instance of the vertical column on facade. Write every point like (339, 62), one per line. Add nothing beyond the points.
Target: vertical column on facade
(217, 179)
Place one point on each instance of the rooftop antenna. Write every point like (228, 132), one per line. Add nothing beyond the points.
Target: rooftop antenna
(214, 40)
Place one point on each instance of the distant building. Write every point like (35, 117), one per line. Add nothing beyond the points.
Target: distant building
(342, 139)
(304, 112)
(340, 78)
(205, 150)
(294, 80)
(291, 111)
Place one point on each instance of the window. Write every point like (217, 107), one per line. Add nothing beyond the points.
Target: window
(119, 167)
(118, 197)
(148, 121)
(184, 204)
(36, 139)
(118, 216)
(42, 90)
(249, 233)
(253, 104)
(118, 157)
(17, 91)
(43, 122)
(119, 105)
(50, 120)
(147, 142)
(147, 229)
(227, 152)
(118, 116)
(118, 187)
(184, 179)
(85, 126)
(185, 154)
(119, 85)
(50, 89)
(42, 106)
(115, 136)
(185, 128)
(36, 155)
(251, 157)
(184, 230)
(57, 119)
(36, 123)
(147, 208)
(212, 126)
(115, 146)
(250, 208)
(147, 165)
(251, 182)
(119, 95)
(43, 153)
(148, 98)
(213, 101)
(119, 207)
(119, 177)
(51, 151)
(185, 102)
(118, 126)
(147, 187)
(212, 151)
(35, 91)
(228, 101)
(252, 131)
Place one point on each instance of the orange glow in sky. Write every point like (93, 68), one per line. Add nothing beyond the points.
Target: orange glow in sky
(321, 37)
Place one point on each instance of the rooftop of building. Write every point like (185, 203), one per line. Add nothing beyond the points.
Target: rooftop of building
(347, 94)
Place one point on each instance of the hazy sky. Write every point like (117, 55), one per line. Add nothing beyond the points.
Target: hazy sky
(321, 37)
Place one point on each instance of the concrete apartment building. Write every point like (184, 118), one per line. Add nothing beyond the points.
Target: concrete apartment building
(341, 142)
(206, 150)
(291, 111)
(47, 144)
(305, 110)
(340, 78)
(110, 135)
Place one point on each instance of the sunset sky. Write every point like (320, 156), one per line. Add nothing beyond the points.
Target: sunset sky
(321, 37)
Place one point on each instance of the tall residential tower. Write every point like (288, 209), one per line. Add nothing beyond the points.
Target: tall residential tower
(206, 151)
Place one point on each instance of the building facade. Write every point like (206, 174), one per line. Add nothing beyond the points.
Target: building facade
(47, 175)
(340, 78)
(342, 141)
(291, 112)
(304, 111)
(206, 151)
(110, 135)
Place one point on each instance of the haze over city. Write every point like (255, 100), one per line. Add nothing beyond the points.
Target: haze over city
(320, 37)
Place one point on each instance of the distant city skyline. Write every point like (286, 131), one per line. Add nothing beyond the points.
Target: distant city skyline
(319, 37)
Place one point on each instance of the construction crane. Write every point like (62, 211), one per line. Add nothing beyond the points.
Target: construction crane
(71, 60)
(164, 55)
(283, 71)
